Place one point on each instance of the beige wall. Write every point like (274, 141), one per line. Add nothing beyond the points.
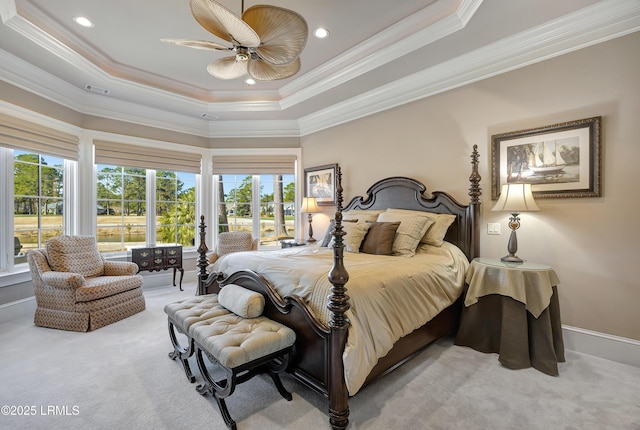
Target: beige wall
(592, 243)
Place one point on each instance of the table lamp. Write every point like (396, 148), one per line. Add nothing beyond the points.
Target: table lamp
(310, 206)
(515, 198)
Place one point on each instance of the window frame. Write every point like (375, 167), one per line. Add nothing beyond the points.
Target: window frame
(7, 194)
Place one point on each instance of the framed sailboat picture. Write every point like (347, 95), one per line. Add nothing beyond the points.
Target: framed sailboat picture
(560, 160)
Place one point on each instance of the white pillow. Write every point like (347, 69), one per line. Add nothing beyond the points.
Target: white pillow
(412, 229)
(356, 231)
(436, 233)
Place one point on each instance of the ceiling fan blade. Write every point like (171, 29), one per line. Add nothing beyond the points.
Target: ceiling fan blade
(223, 23)
(197, 44)
(263, 71)
(227, 68)
(283, 32)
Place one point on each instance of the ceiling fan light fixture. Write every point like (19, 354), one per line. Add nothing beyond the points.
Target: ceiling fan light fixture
(267, 40)
(242, 54)
(250, 81)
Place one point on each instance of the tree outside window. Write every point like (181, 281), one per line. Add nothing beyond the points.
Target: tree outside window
(275, 202)
(38, 201)
(121, 208)
(175, 207)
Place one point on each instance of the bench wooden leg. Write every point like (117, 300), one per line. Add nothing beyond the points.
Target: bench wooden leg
(180, 351)
(218, 389)
(274, 368)
(272, 364)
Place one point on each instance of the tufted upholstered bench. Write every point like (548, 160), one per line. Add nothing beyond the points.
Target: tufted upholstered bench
(242, 347)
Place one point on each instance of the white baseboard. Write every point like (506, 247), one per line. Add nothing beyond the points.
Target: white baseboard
(614, 348)
(18, 309)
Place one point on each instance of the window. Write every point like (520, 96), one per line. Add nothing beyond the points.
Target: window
(175, 207)
(122, 208)
(38, 207)
(146, 196)
(38, 165)
(262, 204)
(277, 208)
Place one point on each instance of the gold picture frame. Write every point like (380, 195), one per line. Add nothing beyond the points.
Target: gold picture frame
(559, 161)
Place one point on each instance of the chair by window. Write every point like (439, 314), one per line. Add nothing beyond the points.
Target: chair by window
(77, 289)
(233, 241)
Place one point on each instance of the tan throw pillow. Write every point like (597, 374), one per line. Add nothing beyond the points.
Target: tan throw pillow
(328, 235)
(362, 215)
(412, 228)
(379, 238)
(436, 233)
(355, 234)
(75, 254)
(241, 301)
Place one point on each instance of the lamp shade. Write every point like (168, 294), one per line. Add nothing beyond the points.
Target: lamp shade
(309, 205)
(516, 198)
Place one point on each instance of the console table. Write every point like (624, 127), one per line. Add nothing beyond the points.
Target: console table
(159, 258)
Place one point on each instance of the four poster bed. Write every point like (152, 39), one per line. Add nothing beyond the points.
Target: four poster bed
(390, 316)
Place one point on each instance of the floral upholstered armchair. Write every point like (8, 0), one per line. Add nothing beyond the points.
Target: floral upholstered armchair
(233, 241)
(77, 289)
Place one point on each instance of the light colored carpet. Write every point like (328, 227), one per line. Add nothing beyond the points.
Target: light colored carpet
(119, 377)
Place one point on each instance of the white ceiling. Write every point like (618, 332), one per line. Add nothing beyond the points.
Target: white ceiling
(379, 54)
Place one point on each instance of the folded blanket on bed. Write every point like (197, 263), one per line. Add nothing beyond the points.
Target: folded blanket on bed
(390, 296)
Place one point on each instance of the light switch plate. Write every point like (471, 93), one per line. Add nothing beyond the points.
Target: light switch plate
(493, 228)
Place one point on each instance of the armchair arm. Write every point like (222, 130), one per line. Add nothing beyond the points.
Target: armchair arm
(62, 279)
(119, 268)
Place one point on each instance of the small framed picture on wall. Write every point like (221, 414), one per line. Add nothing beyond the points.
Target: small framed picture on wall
(320, 182)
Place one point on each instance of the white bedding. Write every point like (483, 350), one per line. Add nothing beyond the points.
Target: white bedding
(390, 296)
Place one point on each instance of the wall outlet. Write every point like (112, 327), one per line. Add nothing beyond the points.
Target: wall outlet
(493, 228)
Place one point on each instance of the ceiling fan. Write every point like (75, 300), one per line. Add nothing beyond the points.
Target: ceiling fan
(267, 40)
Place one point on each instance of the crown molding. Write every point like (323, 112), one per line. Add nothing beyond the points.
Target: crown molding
(601, 22)
(426, 26)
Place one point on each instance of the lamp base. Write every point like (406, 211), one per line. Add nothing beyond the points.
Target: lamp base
(311, 240)
(512, 259)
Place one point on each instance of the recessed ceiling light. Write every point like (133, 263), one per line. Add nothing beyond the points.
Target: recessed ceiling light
(321, 33)
(250, 81)
(83, 21)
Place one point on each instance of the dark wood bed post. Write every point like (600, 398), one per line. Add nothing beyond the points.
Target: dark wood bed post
(474, 204)
(203, 262)
(339, 324)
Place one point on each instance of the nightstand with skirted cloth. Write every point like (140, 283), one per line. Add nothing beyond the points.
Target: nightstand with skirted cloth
(513, 310)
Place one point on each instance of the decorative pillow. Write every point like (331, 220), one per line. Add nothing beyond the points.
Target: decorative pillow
(241, 301)
(361, 215)
(355, 234)
(76, 254)
(436, 233)
(329, 234)
(412, 229)
(379, 238)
